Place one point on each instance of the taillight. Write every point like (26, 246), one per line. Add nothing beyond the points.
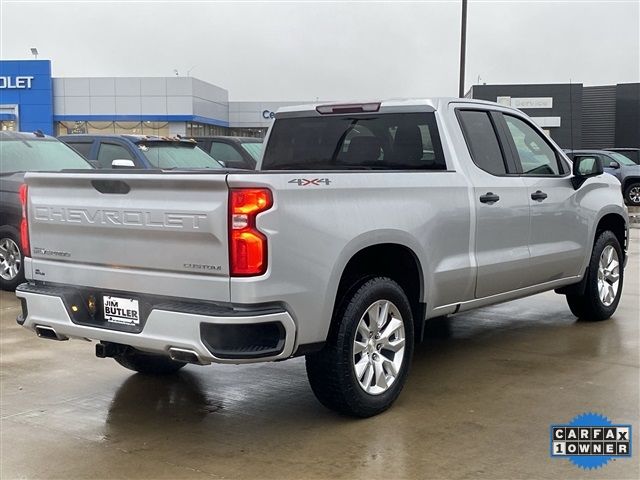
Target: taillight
(247, 245)
(24, 224)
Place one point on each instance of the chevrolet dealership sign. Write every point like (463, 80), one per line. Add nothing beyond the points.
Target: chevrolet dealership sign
(26, 94)
(15, 82)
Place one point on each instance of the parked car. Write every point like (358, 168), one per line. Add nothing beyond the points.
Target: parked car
(21, 152)
(143, 150)
(233, 152)
(359, 225)
(620, 167)
(631, 153)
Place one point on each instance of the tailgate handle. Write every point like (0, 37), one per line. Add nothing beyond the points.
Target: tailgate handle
(111, 186)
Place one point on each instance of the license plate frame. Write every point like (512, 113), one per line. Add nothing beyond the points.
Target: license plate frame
(124, 311)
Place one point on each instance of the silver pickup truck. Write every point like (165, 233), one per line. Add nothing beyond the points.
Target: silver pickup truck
(362, 222)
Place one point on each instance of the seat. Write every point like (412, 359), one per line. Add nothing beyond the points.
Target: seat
(362, 149)
(407, 145)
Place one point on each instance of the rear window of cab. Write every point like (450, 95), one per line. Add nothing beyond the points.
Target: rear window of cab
(380, 141)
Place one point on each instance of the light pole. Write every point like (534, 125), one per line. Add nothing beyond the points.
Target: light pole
(34, 52)
(463, 47)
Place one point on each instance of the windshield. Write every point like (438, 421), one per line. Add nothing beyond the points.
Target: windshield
(621, 159)
(167, 155)
(253, 148)
(375, 141)
(20, 155)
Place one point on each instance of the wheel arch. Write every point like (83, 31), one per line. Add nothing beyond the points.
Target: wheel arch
(629, 180)
(617, 223)
(391, 258)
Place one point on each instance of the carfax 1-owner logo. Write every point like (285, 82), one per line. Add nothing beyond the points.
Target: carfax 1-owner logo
(590, 441)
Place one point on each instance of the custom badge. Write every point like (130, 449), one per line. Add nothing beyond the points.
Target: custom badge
(590, 441)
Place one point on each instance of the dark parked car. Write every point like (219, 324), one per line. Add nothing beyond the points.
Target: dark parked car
(232, 152)
(630, 153)
(144, 151)
(20, 153)
(620, 167)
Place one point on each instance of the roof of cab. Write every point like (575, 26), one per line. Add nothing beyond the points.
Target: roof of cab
(388, 106)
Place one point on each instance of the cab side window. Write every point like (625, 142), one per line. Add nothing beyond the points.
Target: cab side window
(482, 141)
(534, 153)
(606, 160)
(83, 148)
(224, 152)
(109, 152)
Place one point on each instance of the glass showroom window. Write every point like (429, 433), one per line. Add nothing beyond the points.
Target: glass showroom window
(195, 129)
(9, 125)
(248, 132)
(70, 128)
(127, 128)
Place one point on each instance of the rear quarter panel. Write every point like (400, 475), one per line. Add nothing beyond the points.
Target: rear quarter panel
(314, 230)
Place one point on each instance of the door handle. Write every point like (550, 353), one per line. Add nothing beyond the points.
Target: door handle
(489, 198)
(539, 196)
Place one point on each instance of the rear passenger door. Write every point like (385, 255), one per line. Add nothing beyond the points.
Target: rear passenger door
(559, 233)
(501, 205)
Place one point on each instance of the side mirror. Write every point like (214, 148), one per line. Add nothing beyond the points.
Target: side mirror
(585, 167)
(614, 164)
(122, 163)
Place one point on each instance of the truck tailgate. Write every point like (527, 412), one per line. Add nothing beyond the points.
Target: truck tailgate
(157, 233)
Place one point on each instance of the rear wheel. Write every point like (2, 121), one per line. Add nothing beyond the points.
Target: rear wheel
(11, 259)
(604, 281)
(148, 363)
(365, 362)
(632, 195)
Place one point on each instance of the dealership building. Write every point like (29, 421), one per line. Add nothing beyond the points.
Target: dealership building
(574, 115)
(30, 99)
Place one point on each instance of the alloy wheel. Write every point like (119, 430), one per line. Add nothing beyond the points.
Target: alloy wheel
(10, 259)
(608, 275)
(378, 347)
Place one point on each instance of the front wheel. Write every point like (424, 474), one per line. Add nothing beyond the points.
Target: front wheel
(632, 195)
(603, 288)
(364, 364)
(148, 363)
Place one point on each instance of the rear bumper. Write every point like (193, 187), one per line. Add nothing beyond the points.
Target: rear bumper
(214, 335)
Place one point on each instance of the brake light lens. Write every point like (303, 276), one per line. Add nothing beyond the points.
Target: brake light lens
(348, 108)
(247, 245)
(24, 225)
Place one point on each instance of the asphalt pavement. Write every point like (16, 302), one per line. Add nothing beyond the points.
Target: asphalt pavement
(483, 391)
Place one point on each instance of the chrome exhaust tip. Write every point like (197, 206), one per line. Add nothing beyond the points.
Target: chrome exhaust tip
(47, 332)
(186, 355)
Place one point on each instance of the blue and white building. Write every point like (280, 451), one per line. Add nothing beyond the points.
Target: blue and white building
(31, 99)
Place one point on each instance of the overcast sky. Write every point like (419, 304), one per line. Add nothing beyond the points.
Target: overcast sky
(331, 50)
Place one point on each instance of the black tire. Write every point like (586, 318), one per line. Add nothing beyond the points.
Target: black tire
(9, 233)
(148, 363)
(588, 306)
(331, 371)
(635, 189)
